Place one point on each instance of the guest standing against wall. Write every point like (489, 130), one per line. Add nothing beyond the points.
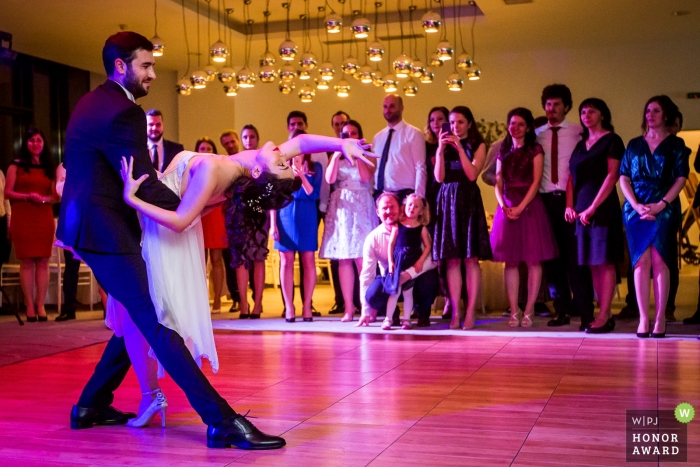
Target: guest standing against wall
(31, 188)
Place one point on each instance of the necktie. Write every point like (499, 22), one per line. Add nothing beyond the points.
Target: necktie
(382, 161)
(155, 157)
(555, 154)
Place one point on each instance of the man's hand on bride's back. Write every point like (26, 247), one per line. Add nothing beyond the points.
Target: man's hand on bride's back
(131, 186)
(358, 149)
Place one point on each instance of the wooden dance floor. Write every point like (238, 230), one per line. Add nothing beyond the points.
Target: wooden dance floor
(361, 399)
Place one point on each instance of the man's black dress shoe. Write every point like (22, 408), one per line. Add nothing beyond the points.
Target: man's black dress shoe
(585, 324)
(604, 329)
(628, 312)
(84, 417)
(643, 335)
(695, 319)
(42, 318)
(560, 320)
(32, 319)
(423, 322)
(337, 310)
(237, 430)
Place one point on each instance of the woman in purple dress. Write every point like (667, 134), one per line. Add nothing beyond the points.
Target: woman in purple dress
(521, 230)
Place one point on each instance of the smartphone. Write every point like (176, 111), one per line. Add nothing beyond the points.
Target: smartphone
(344, 135)
(446, 128)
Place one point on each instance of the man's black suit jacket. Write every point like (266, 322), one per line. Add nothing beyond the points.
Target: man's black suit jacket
(105, 126)
(170, 150)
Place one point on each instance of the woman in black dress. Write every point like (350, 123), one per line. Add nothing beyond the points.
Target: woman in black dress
(592, 203)
(461, 234)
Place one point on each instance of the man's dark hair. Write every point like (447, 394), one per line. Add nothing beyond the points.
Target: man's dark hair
(554, 91)
(340, 112)
(297, 113)
(123, 45)
(154, 113)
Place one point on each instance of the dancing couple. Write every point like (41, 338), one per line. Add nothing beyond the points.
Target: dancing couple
(105, 145)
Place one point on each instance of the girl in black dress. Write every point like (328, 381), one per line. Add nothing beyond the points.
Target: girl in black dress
(592, 203)
(409, 247)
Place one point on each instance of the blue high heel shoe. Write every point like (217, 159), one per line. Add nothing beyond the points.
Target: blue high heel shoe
(159, 404)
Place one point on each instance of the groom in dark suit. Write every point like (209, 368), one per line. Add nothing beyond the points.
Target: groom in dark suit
(104, 231)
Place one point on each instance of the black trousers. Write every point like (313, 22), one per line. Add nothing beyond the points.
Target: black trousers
(425, 290)
(563, 274)
(231, 281)
(124, 277)
(70, 283)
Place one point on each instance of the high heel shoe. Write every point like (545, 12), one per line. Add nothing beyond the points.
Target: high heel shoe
(514, 321)
(386, 324)
(406, 324)
(527, 320)
(604, 329)
(159, 404)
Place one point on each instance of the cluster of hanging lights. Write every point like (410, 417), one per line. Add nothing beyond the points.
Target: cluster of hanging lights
(314, 74)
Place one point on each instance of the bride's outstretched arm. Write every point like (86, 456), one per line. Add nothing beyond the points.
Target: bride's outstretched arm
(307, 144)
(199, 189)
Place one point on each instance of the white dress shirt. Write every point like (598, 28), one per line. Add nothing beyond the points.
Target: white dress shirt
(161, 152)
(322, 158)
(405, 165)
(569, 135)
(374, 251)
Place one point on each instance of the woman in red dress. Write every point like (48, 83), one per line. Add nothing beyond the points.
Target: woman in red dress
(31, 188)
(214, 235)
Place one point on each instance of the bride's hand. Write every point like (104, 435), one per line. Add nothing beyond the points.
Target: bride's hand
(357, 149)
(131, 186)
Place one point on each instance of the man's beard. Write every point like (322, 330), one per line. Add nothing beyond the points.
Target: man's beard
(156, 138)
(133, 85)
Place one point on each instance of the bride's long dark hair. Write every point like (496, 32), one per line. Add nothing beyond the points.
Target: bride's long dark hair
(247, 201)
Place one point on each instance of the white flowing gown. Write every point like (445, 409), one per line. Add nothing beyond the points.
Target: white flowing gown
(176, 278)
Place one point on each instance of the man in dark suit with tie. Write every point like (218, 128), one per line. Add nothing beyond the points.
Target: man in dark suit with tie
(104, 231)
(161, 150)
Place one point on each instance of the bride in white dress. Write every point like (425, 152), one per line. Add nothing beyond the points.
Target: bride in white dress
(249, 183)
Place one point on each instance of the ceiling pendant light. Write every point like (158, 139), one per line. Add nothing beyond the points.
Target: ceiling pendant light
(378, 78)
(184, 87)
(365, 74)
(210, 71)
(464, 61)
(287, 73)
(308, 61)
(402, 66)
(417, 69)
(286, 87)
(321, 84)
(306, 94)
(445, 51)
(435, 60)
(417, 66)
(304, 74)
(198, 78)
(327, 71)
(334, 22)
(431, 22)
(158, 45)
(474, 72)
(245, 78)
(350, 65)
(410, 89)
(287, 49)
(218, 52)
(428, 76)
(390, 83)
(267, 73)
(231, 90)
(375, 51)
(360, 28)
(342, 89)
(227, 75)
(455, 82)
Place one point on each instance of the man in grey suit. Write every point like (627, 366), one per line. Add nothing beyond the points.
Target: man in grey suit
(166, 150)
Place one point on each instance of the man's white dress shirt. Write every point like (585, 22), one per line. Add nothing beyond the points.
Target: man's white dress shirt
(405, 165)
(569, 135)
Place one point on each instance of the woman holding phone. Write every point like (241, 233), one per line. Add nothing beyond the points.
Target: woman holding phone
(461, 234)
(350, 216)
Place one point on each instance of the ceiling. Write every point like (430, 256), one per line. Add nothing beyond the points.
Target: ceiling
(73, 31)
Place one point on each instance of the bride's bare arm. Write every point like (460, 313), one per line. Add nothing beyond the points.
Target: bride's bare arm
(307, 144)
(199, 190)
